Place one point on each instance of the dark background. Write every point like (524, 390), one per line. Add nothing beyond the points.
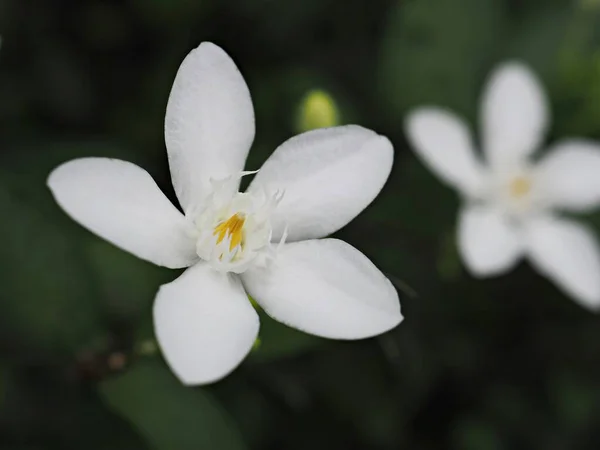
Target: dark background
(504, 363)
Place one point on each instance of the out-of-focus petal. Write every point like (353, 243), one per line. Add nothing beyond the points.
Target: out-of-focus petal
(567, 253)
(514, 115)
(488, 243)
(444, 143)
(570, 175)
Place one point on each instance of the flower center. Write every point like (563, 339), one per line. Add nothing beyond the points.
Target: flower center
(519, 187)
(231, 227)
(234, 228)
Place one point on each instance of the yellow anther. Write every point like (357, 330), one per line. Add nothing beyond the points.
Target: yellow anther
(231, 227)
(520, 187)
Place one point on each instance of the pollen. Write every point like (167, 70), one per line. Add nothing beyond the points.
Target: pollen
(519, 187)
(231, 227)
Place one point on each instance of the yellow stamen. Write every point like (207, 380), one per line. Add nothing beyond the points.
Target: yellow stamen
(520, 187)
(231, 227)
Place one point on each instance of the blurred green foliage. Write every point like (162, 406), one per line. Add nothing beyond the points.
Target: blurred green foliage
(505, 363)
(194, 413)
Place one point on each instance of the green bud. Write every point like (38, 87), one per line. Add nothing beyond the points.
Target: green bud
(317, 110)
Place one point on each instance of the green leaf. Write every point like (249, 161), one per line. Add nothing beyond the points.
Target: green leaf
(474, 434)
(577, 86)
(127, 284)
(280, 100)
(41, 406)
(165, 13)
(50, 284)
(438, 52)
(574, 400)
(278, 340)
(560, 43)
(62, 82)
(49, 302)
(3, 376)
(448, 262)
(360, 396)
(413, 191)
(169, 415)
(538, 40)
(27, 166)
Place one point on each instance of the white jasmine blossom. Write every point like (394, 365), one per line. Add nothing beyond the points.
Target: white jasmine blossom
(264, 242)
(512, 203)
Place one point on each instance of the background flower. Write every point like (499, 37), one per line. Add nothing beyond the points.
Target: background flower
(511, 203)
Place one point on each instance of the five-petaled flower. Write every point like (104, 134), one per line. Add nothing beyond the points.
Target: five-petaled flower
(235, 243)
(511, 205)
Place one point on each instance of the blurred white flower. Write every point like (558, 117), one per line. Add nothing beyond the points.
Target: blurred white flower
(233, 242)
(511, 203)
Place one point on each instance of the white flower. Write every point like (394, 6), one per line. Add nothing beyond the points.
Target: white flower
(232, 242)
(511, 204)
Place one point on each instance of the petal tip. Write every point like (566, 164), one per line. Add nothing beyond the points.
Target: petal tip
(396, 317)
(516, 71)
(58, 175)
(426, 119)
(192, 380)
(515, 66)
(419, 112)
(412, 122)
(51, 179)
(358, 130)
(588, 297)
(389, 323)
(592, 304)
(385, 142)
(482, 269)
(55, 173)
(209, 50)
(209, 47)
(383, 145)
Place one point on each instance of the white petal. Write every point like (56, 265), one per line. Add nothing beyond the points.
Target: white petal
(327, 288)
(567, 253)
(514, 115)
(205, 324)
(444, 143)
(209, 125)
(570, 175)
(121, 203)
(328, 176)
(488, 243)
